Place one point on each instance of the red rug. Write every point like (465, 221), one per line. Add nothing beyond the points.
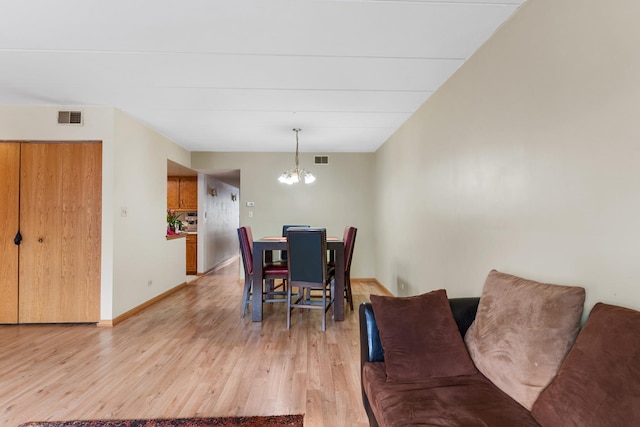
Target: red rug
(271, 421)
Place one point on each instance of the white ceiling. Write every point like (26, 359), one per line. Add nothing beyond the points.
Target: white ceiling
(239, 75)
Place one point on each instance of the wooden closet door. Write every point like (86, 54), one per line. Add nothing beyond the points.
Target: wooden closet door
(9, 202)
(60, 218)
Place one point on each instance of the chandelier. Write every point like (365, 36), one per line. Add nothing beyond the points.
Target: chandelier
(296, 174)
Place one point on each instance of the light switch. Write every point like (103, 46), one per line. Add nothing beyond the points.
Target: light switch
(250, 214)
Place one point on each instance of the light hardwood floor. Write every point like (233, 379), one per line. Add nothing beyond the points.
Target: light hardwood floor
(190, 354)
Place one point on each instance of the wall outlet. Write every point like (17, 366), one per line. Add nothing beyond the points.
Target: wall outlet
(150, 282)
(123, 211)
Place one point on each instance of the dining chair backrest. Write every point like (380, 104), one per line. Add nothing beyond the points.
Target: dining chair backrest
(245, 250)
(286, 227)
(307, 255)
(283, 254)
(349, 244)
(249, 238)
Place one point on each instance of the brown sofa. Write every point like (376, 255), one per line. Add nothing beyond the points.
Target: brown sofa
(515, 356)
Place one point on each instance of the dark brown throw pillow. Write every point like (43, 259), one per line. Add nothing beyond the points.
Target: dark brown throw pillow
(420, 338)
(599, 382)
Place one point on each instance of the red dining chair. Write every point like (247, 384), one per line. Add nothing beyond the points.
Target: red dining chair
(349, 239)
(349, 244)
(270, 272)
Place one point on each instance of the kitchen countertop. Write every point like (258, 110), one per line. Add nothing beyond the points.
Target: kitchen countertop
(176, 236)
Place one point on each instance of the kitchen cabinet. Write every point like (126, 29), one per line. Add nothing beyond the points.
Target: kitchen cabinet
(192, 253)
(173, 193)
(182, 192)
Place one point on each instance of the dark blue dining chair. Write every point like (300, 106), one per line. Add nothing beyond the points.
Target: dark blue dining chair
(308, 271)
(283, 254)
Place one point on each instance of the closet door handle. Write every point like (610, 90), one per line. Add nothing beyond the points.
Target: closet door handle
(40, 240)
(18, 238)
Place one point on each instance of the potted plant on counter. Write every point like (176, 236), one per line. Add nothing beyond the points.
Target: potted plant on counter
(173, 222)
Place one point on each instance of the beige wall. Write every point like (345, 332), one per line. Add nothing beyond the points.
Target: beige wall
(527, 160)
(342, 195)
(19, 122)
(134, 173)
(142, 254)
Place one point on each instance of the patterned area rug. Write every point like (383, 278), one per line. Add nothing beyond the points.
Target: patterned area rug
(271, 421)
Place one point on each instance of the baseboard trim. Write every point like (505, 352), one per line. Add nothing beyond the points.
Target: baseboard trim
(220, 265)
(107, 323)
(138, 309)
(383, 289)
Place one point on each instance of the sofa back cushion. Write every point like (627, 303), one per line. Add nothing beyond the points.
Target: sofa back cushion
(599, 381)
(420, 338)
(522, 332)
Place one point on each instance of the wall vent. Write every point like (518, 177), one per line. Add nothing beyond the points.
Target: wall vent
(70, 117)
(322, 160)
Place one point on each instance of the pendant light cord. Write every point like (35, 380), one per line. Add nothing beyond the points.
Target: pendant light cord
(296, 131)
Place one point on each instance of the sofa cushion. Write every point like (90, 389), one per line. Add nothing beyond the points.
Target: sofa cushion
(454, 401)
(522, 332)
(420, 337)
(599, 381)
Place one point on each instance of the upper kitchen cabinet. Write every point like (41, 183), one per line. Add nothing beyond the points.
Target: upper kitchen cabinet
(182, 192)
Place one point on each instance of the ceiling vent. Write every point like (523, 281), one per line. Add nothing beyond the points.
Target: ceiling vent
(322, 160)
(70, 117)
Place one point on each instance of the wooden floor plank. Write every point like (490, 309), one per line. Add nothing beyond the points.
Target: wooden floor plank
(190, 354)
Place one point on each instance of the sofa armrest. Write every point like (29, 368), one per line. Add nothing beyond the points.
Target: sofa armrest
(370, 351)
(370, 345)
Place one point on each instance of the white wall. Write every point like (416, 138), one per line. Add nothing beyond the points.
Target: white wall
(527, 160)
(341, 196)
(218, 221)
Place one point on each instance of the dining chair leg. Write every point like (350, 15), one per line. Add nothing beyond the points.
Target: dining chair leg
(245, 295)
(269, 285)
(332, 289)
(347, 289)
(324, 309)
(289, 307)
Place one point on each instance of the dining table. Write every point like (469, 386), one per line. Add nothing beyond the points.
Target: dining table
(262, 251)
